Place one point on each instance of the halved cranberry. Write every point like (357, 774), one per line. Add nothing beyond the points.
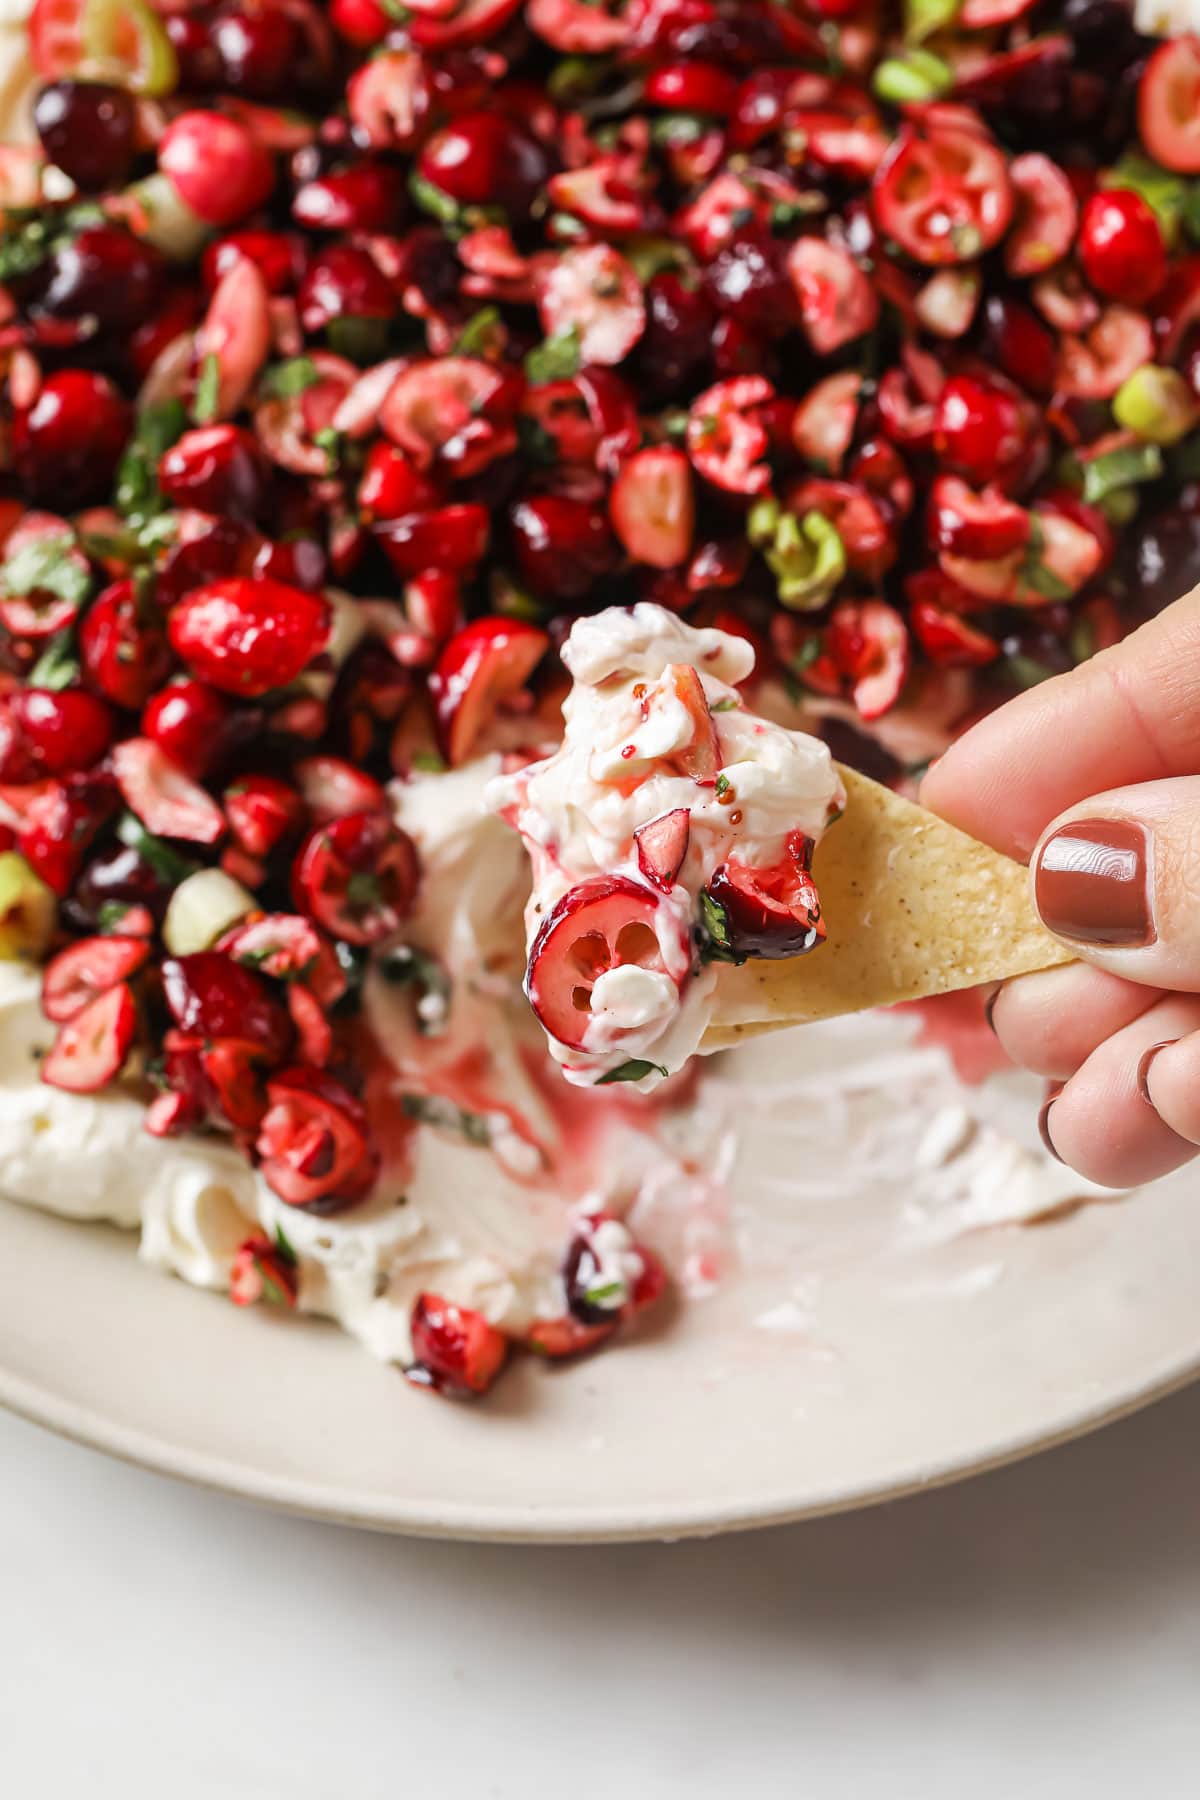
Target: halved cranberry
(102, 273)
(236, 333)
(122, 646)
(53, 733)
(343, 282)
(1046, 215)
(59, 820)
(1169, 105)
(947, 639)
(277, 255)
(944, 198)
(726, 440)
(867, 529)
(652, 507)
(474, 22)
(486, 159)
(1121, 246)
(312, 1144)
(91, 1048)
(212, 996)
(189, 721)
(369, 196)
(391, 486)
(455, 1348)
(1094, 366)
(979, 428)
(595, 293)
(262, 810)
(601, 924)
(331, 787)
(662, 846)
(287, 947)
(83, 971)
(837, 301)
(356, 876)
(772, 912)
(216, 166)
(168, 802)
(977, 525)
(869, 643)
(216, 469)
(481, 666)
(87, 128)
(1020, 343)
(66, 447)
(246, 637)
(824, 420)
(261, 1271)
(457, 409)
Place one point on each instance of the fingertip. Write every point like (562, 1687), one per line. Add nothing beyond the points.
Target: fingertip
(1051, 1022)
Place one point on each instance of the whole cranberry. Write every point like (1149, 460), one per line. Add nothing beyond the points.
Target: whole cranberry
(1019, 342)
(363, 23)
(123, 647)
(562, 545)
(216, 166)
(748, 279)
(677, 341)
(979, 428)
(103, 273)
(199, 61)
(196, 561)
(368, 196)
(247, 637)
(299, 562)
(55, 733)
(343, 282)
(277, 255)
(217, 469)
(88, 130)
(188, 720)
(67, 445)
(213, 996)
(117, 876)
(257, 48)
(486, 159)
(391, 487)
(1121, 246)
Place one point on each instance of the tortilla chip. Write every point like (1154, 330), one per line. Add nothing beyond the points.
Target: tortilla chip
(912, 906)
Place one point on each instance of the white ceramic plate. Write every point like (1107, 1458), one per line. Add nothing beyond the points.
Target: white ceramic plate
(852, 1358)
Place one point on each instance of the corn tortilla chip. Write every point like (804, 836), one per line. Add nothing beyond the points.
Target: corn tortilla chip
(912, 907)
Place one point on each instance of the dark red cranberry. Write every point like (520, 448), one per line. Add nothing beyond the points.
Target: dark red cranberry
(277, 255)
(748, 279)
(298, 562)
(677, 342)
(116, 877)
(199, 61)
(215, 997)
(585, 1280)
(562, 545)
(188, 720)
(123, 647)
(429, 264)
(257, 48)
(200, 560)
(1121, 246)
(1160, 559)
(217, 469)
(103, 273)
(56, 733)
(487, 159)
(88, 130)
(176, 313)
(66, 447)
(979, 427)
(342, 282)
(1020, 343)
(366, 197)
(736, 351)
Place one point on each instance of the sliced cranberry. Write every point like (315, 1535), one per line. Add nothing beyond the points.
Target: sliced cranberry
(869, 643)
(1094, 366)
(454, 1347)
(123, 648)
(342, 282)
(363, 23)
(1169, 105)
(837, 301)
(66, 447)
(261, 1271)
(1121, 246)
(91, 1048)
(59, 822)
(262, 810)
(976, 525)
(216, 469)
(247, 637)
(771, 912)
(822, 426)
(391, 486)
(216, 166)
(236, 333)
(474, 22)
(369, 196)
(331, 787)
(947, 639)
(52, 733)
(212, 996)
(726, 440)
(457, 410)
(944, 198)
(662, 846)
(85, 970)
(87, 128)
(595, 293)
(481, 666)
(454, 537)
(188, 720)
(119, 879)
(601, 924)
(652, 507)
(1046, 215)
(288, 947)
(168, 802)
(313, 1144)
(356, 876)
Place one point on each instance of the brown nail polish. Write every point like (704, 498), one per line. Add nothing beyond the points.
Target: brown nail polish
(1093, 882)
(1056, 1089)
(1143, 1068)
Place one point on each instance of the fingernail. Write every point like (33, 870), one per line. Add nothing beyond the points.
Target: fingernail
(1143, 1068)
(989, 1007)
(1044, 1119)
(1092, 882)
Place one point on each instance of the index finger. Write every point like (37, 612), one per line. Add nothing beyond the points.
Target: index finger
(1131, 714)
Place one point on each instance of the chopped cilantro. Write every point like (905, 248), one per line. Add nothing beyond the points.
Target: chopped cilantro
(431, 1109)
(58, 666)
(284, 1247)
(162, 858)
(110, 915)
(608, 1295)
(288, 379)
(555, 360)
(206, 402)
(432, 200)
(330, 441)
(720, 706)
(633, 1070)
(406, 965)
(479, 333)
(722, 785)
(714, 932)
(157, 428)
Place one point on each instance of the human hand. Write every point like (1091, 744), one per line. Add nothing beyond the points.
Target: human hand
(1094, 777)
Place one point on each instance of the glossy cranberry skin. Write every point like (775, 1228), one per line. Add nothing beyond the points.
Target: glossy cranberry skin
(192, 41)
(342, 282)
(200, 560)
(214, 997)
(57, 733)
(277, 255)
(978, 428)
(486, 159)
(66, 447)
(216, 166)
(562, 546)
(1020, 343)
(1121, 246)
(124, 652)
(391, 487)
(87, 129)
(248, 636)
(217, 469)
(103, 273)
(366, 197)
(188, 720)
(298, 562)
(257, 49)
(748, 279)
(362, 23)
(677, 342)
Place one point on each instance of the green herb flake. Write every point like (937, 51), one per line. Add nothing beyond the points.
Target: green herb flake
(166, 862)
(609, 1296)
(1126, 467)
(443, 1115)
(428, 762)
(110, 915)
(58, 665)
(555, 360)
(288, 379)
(634, 1070)
(206, 402)
(720, 706)
(480, 333)
(284, 1246)
(330, 441)
(722, 786)
(432, 200)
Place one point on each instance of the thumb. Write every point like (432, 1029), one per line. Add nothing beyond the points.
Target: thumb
(1118, 877)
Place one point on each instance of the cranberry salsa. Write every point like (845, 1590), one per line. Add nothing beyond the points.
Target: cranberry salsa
(351, 352)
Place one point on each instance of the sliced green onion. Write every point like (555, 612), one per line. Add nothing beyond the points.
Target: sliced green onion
(916, 76)
(1157, 403)
(1123, 468)
(923, 17)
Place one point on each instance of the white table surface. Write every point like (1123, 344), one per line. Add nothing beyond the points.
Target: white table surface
(1034, 1633)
